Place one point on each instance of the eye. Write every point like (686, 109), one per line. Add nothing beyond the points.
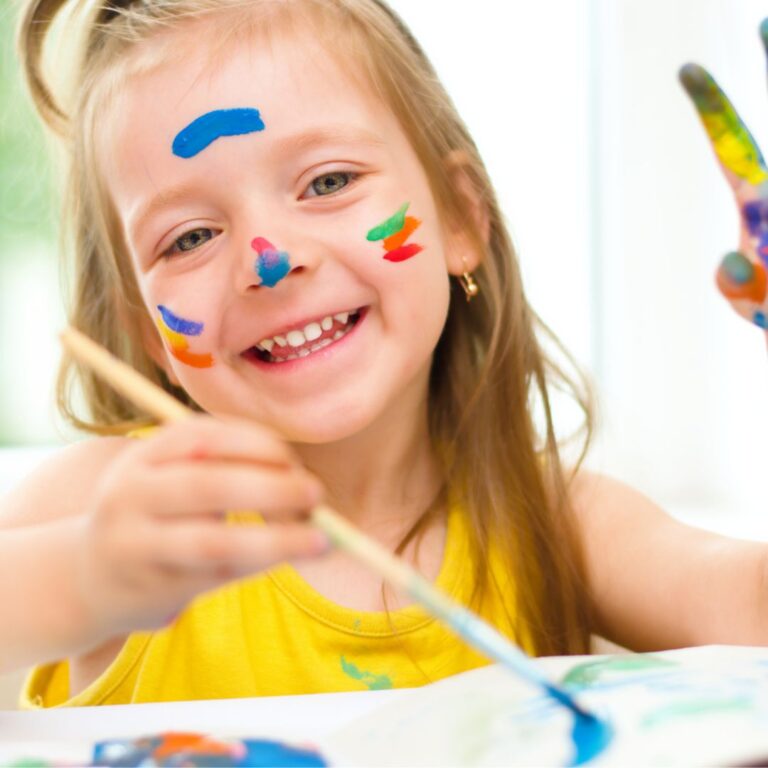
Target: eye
(328, 183)
(189, 241)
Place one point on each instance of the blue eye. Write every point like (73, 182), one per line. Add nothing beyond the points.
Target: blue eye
(191, 240)
(329, 183)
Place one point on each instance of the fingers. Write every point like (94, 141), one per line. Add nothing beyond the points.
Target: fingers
(744, 282)
(202, 437)
(228, 552)
(216, 486)
(736, 149)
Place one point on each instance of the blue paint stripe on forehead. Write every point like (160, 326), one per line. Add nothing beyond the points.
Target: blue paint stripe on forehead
(212, 125)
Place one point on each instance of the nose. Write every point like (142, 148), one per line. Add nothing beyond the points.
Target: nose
(267, 264)
(271, 264)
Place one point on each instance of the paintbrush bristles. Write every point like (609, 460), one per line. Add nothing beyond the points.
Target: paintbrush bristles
(128, 382)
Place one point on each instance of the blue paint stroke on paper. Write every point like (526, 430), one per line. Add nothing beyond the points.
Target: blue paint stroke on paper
(212, 125)
(591, 735)
(179, 324)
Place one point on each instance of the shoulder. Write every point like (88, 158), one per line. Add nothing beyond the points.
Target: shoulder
(62, 484)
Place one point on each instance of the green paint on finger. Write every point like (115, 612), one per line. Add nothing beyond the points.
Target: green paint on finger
(372, 681)
(734, 145)
(389, 227)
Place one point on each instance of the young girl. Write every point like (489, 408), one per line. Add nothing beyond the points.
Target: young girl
(278, 216)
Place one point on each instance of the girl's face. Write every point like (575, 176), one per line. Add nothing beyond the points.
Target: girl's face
(284, 237)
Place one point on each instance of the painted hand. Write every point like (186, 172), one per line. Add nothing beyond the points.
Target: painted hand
(741, 276)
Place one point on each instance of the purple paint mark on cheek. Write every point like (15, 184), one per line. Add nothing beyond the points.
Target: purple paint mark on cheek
(271, 264)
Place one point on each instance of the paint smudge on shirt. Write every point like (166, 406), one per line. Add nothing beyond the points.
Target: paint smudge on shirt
(372, 681)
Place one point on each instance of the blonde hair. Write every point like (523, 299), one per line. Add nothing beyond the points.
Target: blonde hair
(489, 365)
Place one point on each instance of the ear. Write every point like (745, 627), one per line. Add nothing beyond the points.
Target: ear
(155, 346)
(468, 237)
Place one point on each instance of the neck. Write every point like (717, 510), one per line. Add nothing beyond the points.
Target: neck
(383, 477)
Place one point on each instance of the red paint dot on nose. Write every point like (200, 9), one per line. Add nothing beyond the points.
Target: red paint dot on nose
(260, 244)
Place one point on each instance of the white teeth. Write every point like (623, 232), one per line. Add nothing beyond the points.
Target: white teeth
(304, 353)
(296, 338)
(313, 331)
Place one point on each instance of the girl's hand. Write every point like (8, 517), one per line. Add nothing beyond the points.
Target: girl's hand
(741, 276)
(157, 533)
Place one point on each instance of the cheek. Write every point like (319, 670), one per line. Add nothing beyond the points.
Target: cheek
(183, 315)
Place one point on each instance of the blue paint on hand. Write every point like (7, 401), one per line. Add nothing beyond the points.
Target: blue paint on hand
(179, 324)
(212, 125)
(760, 320)
(272, 267)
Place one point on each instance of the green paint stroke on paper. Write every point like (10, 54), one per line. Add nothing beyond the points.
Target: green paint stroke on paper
(389, 227)
(593, 672)
(369, 679)
(694, 708)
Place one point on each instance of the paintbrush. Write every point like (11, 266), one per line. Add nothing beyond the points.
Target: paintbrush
(394, 570)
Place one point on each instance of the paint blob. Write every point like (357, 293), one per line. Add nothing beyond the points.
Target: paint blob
(389, 227)
(394, 232)
(733, 143)
(174, 330)
(739, 278)
(203, 131)
(271, 265)
(194, 749)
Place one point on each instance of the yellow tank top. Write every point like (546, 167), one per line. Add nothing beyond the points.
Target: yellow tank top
(273, 634)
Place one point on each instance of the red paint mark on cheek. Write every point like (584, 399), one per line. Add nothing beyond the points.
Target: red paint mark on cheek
(404, 252)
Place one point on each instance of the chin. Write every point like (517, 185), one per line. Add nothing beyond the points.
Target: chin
(319, 429)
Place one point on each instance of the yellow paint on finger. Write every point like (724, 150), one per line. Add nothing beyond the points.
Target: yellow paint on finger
(734, 150)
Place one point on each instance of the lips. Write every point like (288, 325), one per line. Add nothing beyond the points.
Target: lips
(302, 341)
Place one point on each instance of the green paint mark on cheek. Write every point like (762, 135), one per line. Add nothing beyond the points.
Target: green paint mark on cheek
(372, 681)
(389, 227)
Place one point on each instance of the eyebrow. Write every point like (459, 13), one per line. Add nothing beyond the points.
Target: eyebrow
(288, 145)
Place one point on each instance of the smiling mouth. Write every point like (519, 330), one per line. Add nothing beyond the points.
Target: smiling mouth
(302, 342)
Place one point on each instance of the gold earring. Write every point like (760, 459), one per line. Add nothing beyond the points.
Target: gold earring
(471, 288)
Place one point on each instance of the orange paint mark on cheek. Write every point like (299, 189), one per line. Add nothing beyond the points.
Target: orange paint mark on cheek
(179, 347)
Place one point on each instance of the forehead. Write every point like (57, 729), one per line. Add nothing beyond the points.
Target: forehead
(296, 82)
